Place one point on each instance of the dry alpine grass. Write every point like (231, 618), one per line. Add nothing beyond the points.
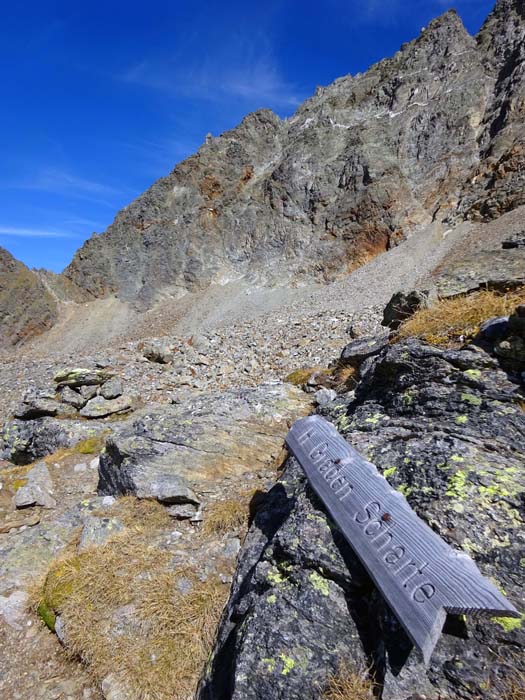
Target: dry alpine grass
(349, 683)
(448, 320)
(129, 615)
(514, 683)
(231, 515)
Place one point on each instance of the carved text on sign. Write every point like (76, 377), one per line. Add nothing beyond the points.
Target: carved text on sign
(419, 575)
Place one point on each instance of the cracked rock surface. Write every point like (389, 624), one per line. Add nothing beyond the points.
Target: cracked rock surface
(447, 428)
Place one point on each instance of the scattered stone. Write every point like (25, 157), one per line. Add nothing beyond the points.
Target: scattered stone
(359, 350)
(23, 442)
(112, 389)
(494, 329)
(72, 397)
(38, 490)
(88, 392)
(322, 397)
(158, 351)
(114, 689)
(231, 547)
(9, 525)
(40, 404)
(516, 241)
(99, 407)
(96, 531)
(13, 609)
(184, 511)
(82, 377)
(401, 306)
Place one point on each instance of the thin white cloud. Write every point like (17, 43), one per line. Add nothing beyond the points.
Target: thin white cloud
(245, 69)
(65, 183)
(19, 232)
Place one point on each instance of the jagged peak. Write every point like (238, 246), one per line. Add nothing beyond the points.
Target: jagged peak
(448, 26)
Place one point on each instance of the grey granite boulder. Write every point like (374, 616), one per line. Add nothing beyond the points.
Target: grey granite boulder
(38, 490)
(446, 428)
(401, 306)
(99, 407)
(112, 389)
(82, 377)
(37, 404)
(23, 442)
(158, 351)
(172, 452)
(360, 350)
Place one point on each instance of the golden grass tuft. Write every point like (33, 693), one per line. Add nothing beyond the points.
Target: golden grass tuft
(349, 683)
(231, 515)
(125, 615)
(514, 682)
(146, 514)
(345, 378)
(301, 376)
(447, 320)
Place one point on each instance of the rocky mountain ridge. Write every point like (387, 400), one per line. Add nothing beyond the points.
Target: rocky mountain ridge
(27, 308)
(434, 133)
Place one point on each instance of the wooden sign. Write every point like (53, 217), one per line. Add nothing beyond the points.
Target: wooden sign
(419, 575)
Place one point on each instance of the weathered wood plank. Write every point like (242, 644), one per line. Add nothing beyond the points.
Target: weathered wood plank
(420, 576)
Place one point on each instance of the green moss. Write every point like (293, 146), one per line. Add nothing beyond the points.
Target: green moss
(89, 446)
(271, 599)
(374, 420)
(275, 577)
(457, 459)
(288, 664)
(473, 373)
(319, 583)
(405, 489)
(18, 483)
(471, 399)
(510, 624)
(389, 472)
(461, 420)
(270, 664)
(342, 423)
(457, 485)
(59, 583)
(46, 615)
(301, 376)
(408, 398)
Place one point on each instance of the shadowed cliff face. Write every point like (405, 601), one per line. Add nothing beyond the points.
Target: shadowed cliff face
(26, 307)
(436, 132)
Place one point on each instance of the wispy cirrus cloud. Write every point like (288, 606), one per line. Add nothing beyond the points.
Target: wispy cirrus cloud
(259, 82)
(245, 69)
(63, 182)
(19, 232)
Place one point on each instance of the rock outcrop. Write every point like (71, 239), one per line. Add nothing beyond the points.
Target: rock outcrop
(172, 452)
(26, 306)
(434, 133)
(447, 429)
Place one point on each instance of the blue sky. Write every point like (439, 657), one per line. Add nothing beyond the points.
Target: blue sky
(99, 99)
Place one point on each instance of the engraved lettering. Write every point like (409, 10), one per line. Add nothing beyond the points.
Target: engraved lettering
(368, 513)
(305, 436)
(318, 452)
(395, 554)
(425, 592)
